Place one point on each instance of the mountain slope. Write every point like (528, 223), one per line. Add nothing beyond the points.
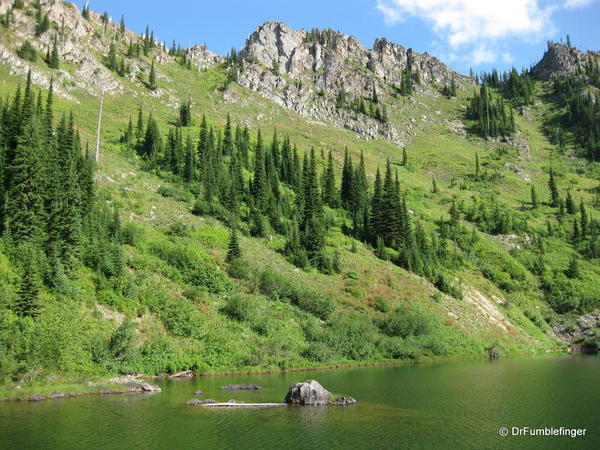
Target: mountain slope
(256, 319)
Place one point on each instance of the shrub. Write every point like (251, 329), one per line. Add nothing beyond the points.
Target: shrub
(239, 268)
(277, 287)
(353, 336)
(240, 307)
(121, 340)
(405, 322)
(197, 269)
(182, 318)
(27, 51)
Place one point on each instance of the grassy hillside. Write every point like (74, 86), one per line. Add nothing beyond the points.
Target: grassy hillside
(177, 307)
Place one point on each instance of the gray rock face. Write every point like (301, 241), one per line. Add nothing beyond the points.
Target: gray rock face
(305, 71)
(575, 336)
(560, 60)
(308, 393)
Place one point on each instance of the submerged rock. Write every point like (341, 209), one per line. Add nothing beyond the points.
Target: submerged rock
(198, 393)
(344, 401)
(240, 387)
(198, 402)
(308, 393)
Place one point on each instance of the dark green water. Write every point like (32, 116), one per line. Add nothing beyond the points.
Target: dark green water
(449, 405)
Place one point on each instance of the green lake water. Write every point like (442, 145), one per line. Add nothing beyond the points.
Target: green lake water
(447, 405)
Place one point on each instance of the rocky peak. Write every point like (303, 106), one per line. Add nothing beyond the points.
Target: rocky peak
(559, 60)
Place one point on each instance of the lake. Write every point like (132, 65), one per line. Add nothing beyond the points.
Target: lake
(460, 404)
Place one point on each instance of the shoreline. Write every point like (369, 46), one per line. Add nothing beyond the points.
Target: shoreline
(122, 390)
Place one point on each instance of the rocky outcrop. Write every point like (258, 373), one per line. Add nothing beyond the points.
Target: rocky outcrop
(582, 334)
(560, 60)
(304, 71)
(308, 393)
(203, 57)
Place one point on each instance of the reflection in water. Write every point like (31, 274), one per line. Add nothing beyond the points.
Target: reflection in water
(450, 405)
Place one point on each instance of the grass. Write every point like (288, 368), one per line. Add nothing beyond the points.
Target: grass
(182, 324)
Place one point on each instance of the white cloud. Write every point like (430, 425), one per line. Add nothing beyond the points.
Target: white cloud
(470, 21)
(573, 4)
(480, 29)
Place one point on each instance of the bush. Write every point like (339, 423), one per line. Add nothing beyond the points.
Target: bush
(182, 318)
(353, 336)
(239, 269)
(132, 234)
(443, 285)
(26, 51)
(240, 307)
(277, 287)
(405, 322)
(157, 356)
(121, 340)
(196, 268)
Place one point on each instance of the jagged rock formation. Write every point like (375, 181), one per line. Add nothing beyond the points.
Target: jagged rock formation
(305, 71)
(560, 60)
(203, 57)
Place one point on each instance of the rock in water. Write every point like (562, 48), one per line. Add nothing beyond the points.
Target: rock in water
(147, 387)
(197, 402)
(240, 387)
(36, 398)
(308, 393)
(344, 401)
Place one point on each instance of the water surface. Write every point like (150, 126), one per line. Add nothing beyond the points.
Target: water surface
(448, 405)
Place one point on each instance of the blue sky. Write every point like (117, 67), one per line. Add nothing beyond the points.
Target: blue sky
(462, 33)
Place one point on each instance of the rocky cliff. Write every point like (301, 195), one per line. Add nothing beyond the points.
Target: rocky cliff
(305, 71)
(560, 60)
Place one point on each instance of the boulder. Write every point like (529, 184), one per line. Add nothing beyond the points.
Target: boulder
(308, 393)
(344, 401)
(147, 387)
(240, 387)
(57, 395)
(36, 398)
(198, 393)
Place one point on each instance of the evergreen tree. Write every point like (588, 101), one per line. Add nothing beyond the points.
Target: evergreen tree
(554, 197)
(534, 198)
(54, 59)
(570, 204)
(434, 187)
(233, 249)
(404, 157)
(584, 220)
(27, 304)
(573, 269)
(152, 78)
(330, 193)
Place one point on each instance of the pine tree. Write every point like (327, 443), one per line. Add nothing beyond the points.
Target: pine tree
(152, 78)
(573, 269)
(233, 249)
(404, 157)
(570, 204)
(27, 304)
(24, 204)
(347, 189)
(434, 187)
(584, 220)
(477, 167)
(54, 59)
(554, 197)
(534, 198)
(122, 25)
(330, 193)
